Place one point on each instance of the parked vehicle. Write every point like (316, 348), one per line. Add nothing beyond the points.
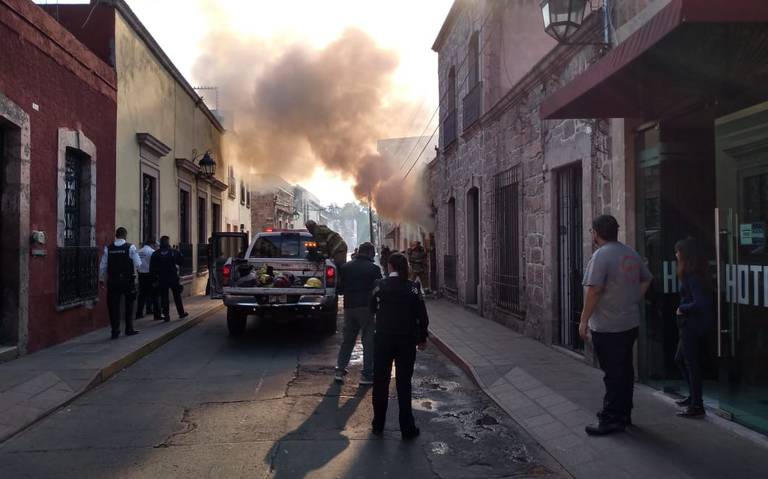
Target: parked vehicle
(280, 274)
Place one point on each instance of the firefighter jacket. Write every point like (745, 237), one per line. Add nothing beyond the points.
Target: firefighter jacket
(417, 258)
(329, 241)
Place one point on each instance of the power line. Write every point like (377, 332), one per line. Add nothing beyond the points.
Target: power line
(456, 89)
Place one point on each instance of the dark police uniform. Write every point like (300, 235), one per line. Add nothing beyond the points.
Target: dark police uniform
(163, 268)
(401, 324)
(121, 279)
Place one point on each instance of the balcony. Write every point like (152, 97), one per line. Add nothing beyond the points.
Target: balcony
(78, 274)
(186, 267)
(449, 129)
(202, 258)
(472, 106)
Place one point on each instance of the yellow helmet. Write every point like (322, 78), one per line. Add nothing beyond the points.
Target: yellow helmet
(313, 283)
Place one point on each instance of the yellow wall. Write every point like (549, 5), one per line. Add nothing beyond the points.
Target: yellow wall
(150, 100)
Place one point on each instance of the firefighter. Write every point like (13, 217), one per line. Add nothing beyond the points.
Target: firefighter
(329, 242)
(417, 259)
(118, 267)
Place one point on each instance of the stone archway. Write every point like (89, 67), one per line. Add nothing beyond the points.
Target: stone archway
(14, 223)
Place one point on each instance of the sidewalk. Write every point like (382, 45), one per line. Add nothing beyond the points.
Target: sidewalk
(553, 396)
(33, 386)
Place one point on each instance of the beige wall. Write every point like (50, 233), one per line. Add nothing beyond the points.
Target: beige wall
(150, 100)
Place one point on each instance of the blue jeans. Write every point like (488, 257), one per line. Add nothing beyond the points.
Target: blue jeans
(357, 320)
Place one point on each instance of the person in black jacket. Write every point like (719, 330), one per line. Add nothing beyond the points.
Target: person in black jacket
(163, 269)
(694, 320)
(401, 328)
(357, 280)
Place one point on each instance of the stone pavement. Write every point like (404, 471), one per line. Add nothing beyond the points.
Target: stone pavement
(33, 386)
(554, 395)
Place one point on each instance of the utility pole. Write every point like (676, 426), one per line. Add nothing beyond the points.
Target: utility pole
(370, 215)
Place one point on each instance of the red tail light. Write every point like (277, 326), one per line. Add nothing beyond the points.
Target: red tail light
(330, 276)
(226, 272)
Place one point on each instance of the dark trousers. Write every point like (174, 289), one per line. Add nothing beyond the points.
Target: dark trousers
(687, 358)
(116, 291)
(175, 288)
(614, 352)
(147, 295)
(401, 350)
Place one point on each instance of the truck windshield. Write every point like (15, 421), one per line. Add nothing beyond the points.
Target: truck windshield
(280, 246)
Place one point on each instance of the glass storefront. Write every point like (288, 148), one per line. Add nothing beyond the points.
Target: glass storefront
(710, 183)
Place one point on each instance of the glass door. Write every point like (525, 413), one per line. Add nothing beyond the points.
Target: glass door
(742, 267)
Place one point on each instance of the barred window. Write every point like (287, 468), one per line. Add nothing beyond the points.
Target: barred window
(73, 181)
(506, 271)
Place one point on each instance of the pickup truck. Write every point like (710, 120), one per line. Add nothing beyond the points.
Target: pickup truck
(280, 274)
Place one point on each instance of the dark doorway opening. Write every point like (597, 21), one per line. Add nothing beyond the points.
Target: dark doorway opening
(570, 255)
(473, 245)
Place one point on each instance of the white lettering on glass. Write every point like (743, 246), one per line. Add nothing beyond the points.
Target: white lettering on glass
(756, 270)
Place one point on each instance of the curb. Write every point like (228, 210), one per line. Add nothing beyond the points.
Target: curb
(470, 371)
(116, 366)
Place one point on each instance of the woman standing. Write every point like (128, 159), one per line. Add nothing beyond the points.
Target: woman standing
(401, 328)
(694, 319)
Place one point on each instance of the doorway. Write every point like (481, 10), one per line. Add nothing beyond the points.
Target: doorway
(473, 245)
(741, 216)
(570, 254)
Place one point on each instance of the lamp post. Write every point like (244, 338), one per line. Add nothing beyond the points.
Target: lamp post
(563, 17)
(207, 165)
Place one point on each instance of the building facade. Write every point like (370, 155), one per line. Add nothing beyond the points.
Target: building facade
(163, 129)
(664, 126)
(272, 205)
(58, 107)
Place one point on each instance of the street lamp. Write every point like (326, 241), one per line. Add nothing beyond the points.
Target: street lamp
(562, 17)
(207, 165)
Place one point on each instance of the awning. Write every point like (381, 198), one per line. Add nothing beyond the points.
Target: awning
(690, 52)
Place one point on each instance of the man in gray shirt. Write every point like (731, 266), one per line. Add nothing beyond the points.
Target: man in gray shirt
(615, 281)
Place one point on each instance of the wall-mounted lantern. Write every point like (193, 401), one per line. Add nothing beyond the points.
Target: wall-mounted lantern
(562, 17)
(207, 165)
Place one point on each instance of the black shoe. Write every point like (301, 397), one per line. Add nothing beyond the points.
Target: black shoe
(183, 315)
(626, 419)
(157, 318)
(115, 336)
(139, 316)
(377, 432)
(684, 402)
(604, 427)
(413, 434)
(132, 332)
(692, 412)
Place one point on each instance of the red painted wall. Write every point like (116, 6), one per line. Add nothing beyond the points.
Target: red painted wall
(44, 64)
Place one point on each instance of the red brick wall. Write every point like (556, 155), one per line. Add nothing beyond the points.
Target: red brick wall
(44, 64)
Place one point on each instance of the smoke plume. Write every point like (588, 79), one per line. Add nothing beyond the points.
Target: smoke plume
(295, 108)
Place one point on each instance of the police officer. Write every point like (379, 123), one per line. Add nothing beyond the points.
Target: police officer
(401, 328)
(118, 266)
(329, 242)
(163, 269)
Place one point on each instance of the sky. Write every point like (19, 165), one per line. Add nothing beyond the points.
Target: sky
(408, 27)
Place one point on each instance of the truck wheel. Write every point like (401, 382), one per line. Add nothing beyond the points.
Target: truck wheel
(328, 321)
(236, 320)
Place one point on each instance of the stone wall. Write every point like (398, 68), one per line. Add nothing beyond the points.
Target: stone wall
(511, 134)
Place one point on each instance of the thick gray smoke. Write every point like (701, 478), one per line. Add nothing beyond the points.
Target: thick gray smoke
(294, 106)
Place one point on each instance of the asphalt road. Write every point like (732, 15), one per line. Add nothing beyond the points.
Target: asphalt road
(264, 405)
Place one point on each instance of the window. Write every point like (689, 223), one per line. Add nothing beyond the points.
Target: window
(202, 217)
(77, 254)
(506, 270)
(72, 207)
(449, 122)
(148, 206)
(280, 246)
(248, 198)
(232, 190)
(184, 236)
(215, 217)
(242, 192)
(473, 56)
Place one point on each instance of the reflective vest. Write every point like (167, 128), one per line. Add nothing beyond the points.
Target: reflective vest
(119, 263)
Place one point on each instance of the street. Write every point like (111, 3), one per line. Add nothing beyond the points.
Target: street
(265, 405)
